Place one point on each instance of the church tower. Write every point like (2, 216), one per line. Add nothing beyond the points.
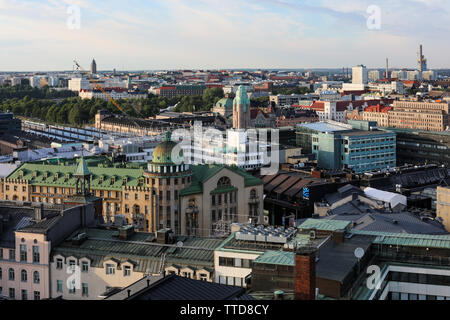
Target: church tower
(241, 109)
(93, 67)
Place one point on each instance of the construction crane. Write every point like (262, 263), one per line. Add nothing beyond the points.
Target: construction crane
(114, 102)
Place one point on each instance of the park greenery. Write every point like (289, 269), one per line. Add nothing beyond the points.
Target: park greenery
(62, 107)
(291, 90)
(200, 103)
(22, 91)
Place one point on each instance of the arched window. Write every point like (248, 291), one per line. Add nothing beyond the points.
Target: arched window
(137, 209)
(11, 274)
(224, 182)
(23, 276)
(36, 277)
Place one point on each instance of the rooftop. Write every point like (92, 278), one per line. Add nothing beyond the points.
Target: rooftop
(324, 224)
(139, 248)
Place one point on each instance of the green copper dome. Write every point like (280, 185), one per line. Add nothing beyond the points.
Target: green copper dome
(225, 103)
(241, 99)
(163, 152)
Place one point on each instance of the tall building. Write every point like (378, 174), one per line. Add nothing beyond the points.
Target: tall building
(358, 146)
(241, 109)
(360, 75)
(422, 60)
(93, 67)
(78, 84)
(374, 75)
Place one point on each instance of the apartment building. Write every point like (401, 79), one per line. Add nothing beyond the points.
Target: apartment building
(106, 261)
(180, 90)
(27, 235)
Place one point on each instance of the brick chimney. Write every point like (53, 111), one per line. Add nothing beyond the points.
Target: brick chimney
(39, 213)
(305, 274)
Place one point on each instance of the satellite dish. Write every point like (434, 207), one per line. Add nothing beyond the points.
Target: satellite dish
(359, 253)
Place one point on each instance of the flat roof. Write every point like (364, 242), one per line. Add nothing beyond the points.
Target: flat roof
(325, 127)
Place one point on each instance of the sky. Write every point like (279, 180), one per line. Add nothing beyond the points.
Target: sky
(214, 34)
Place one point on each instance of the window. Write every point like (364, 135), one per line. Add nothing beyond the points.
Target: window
(36, 256)
(127, 271)
(11, 274)
(37, 295)
(23, 252)
(59, 263)
(226, 262)
(84, 266)
(12, 293)
(23, 276)
(36, 277)
(110, 269)
(59, 286)
(224, 182)
(203, 277)
(84, 289)
(24, 295)
(1, 274)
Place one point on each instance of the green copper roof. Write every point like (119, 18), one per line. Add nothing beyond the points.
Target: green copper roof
(225, 103)
(242, 98)
(282, 258)
(82, 169)
(163, 153)
(407, 239)
(54, 175)
(324, 224)
(203, 173)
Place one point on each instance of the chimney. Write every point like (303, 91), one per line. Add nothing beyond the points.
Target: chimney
(338, 236)
(39, 213)
(126, 232)
(305, 273)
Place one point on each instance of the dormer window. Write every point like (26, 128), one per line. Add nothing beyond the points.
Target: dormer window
(56, 176)
(35, 174)
(101, 179)
(125, 180)
(67, 177)
(45, 175)
(141, 182)
(113, 180)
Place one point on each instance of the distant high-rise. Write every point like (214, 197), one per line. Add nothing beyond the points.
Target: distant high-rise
(387, 68)
(360, 75)
(241, 109)
(93, 67)
(422, 60)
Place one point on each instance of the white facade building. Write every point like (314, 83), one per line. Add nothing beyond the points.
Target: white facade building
(35, 82)
(78, 84)
(360, 75)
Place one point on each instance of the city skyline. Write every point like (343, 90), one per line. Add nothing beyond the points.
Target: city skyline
(176, 34)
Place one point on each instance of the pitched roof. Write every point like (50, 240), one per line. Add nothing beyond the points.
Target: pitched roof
(284, 258)
(325, 225)
(203, 173)
(82, 169)
(63, 175)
